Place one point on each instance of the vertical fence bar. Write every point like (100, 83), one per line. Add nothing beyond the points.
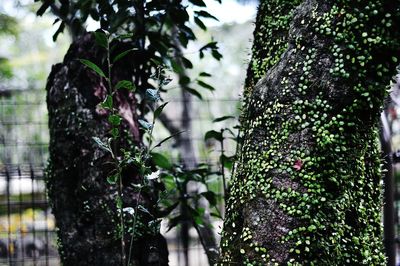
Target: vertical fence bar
(32, 175)
(388, 211)
(10, 247)
(46, 217)
(21, 200)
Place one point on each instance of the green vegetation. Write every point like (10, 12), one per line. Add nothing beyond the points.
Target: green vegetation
(310, 140)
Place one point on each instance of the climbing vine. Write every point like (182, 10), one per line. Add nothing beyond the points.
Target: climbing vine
(307, 190)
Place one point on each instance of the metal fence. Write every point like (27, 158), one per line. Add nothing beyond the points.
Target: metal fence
(27, 235)
(27, 227)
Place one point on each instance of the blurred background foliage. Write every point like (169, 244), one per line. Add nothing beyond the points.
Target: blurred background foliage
(27, 52)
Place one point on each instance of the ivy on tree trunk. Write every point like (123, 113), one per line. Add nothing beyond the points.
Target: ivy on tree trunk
(307, 190)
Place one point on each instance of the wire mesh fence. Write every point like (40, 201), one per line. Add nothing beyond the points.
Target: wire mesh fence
(27, 227)
(27, 235)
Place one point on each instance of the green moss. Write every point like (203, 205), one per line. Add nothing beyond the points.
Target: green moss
(310, 151)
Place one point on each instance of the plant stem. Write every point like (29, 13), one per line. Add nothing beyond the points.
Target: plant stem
(133, 228)
(120, 194)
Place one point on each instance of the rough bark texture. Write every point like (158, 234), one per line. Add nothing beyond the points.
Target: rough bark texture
(83, 202)
(307, 190)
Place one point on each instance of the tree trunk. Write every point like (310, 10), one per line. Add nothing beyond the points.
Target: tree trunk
(307, 189)
(83, 202)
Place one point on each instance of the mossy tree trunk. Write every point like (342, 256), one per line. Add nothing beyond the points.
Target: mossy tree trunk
(83, 202)
(307, 189)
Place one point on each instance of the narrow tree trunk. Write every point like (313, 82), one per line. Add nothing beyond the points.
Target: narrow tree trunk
(189, 161)
(307, 189)
(389, 190)
(83, 202)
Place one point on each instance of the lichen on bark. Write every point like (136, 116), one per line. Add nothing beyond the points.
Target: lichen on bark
(307, 190)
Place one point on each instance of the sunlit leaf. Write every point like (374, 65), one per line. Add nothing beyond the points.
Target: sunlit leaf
(160, 160)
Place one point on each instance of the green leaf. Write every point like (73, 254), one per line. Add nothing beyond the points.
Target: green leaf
(161, 161)
(311, 228)
(167, 210)
(175, 221)
(210, 196)
(101, 39)
(210, 45)
(145, 125)
(205, 14)
(125, 84)
(143, 209)
(46, 4)
(212, 134)
(156, 62)
(216, 54)
(223, 118)
(59, 30)
(213, 214)
(107, 103)
(198, 220)
(93, 67)
(153, 95)
(226, 161)
(159, 109)
(194, 92)
(205, 85)
(115, 120)
(112, 179)
(187, 63)
(101, 144)
(122, 55)
(200, 23)
(198, 3)
(204, 74)
(176, 66)
(115, 132)
(167, 138)
(184, 80)
(125, 36)
(119, 203)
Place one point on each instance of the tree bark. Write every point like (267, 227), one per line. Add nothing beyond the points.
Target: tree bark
(83, 202)
(307, 190)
